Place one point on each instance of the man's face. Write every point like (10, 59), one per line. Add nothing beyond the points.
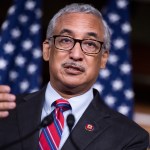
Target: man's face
(73, 71)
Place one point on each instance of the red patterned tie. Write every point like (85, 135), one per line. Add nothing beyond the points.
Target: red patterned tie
(51, 135)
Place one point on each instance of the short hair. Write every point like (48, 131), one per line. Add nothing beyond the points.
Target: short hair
(80, 8)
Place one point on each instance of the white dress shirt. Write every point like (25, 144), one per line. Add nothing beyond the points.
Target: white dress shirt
(78, 104)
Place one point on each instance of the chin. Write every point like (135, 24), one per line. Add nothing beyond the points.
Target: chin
(72, 84)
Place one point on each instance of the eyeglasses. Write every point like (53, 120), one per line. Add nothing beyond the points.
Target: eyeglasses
(66, 43)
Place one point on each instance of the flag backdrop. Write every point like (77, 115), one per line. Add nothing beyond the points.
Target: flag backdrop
(20, 54)
(20, 46)
(114, 82)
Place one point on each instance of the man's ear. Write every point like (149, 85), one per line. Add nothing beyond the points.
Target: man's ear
(46, 50)
(104, 58)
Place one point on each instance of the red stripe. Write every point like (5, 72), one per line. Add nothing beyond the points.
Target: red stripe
(43, 142)
(52, 129)
(60, 117)
(54, 133)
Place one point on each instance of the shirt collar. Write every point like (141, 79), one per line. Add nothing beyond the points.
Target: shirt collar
(77, 102)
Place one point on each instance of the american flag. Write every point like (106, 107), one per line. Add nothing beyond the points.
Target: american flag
(115, 82)
(20, 53)
(20, 46)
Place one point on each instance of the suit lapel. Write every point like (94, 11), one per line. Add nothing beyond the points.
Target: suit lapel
(94, 116)
(29, 117)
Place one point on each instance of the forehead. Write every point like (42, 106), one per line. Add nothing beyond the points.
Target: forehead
(79, 24)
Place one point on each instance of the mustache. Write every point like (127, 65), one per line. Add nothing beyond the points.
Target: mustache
(73, 64)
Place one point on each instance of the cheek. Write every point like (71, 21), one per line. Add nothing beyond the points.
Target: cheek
(54, 69)
(94, 67)
(95, 63)
(55, 61)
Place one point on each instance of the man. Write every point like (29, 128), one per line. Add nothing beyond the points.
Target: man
(76, 47)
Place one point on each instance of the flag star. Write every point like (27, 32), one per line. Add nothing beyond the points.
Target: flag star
(117, 84)
(113, 59)
(20, 61)
(38, 13)
(110, 100)
(11, 10)
(122, 3)
(17, 59)
(3, 63)
(105, 73)
(119, 43)
(5, 25)
(13, 75)
(124, 109)
(113, 17)
(125, 68)
(37, 53)
(30, 5)
(23, 19)
(32, 68)
(126, 28)
(24, 85)
(15, 33)
(27, 44)
(9, 48)
(34, 28)
(98, 86)
(129, 94)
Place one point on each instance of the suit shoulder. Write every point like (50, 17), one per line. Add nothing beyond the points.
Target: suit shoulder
(24, 97)
(129, 125)
(119, 121)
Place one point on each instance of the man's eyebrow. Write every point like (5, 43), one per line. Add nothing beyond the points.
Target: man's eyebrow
(66, 31)
(92, 34)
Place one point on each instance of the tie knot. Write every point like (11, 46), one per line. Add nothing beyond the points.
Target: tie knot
(62, 104)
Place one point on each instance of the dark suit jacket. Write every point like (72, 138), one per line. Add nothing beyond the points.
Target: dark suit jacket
(112, 131)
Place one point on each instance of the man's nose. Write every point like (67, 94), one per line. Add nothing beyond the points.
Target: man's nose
(76, 52)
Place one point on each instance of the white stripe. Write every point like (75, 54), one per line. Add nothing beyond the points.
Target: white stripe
(57, 124)
(40, 146)
(58, 120)
(49, 141)
(52, 137)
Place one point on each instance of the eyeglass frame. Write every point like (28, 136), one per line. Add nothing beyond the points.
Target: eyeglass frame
(75, 41)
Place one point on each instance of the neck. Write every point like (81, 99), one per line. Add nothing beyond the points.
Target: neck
(69, 92)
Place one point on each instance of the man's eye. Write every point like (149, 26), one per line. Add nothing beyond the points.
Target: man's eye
(65, 40)
(91, 44)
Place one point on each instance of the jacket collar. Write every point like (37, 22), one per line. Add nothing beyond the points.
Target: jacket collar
(29, 117)
(93, 123)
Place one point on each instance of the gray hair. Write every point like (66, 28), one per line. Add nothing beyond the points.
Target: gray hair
(80, 8)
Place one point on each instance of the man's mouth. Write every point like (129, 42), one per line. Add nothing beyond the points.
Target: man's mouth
(73, 68)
